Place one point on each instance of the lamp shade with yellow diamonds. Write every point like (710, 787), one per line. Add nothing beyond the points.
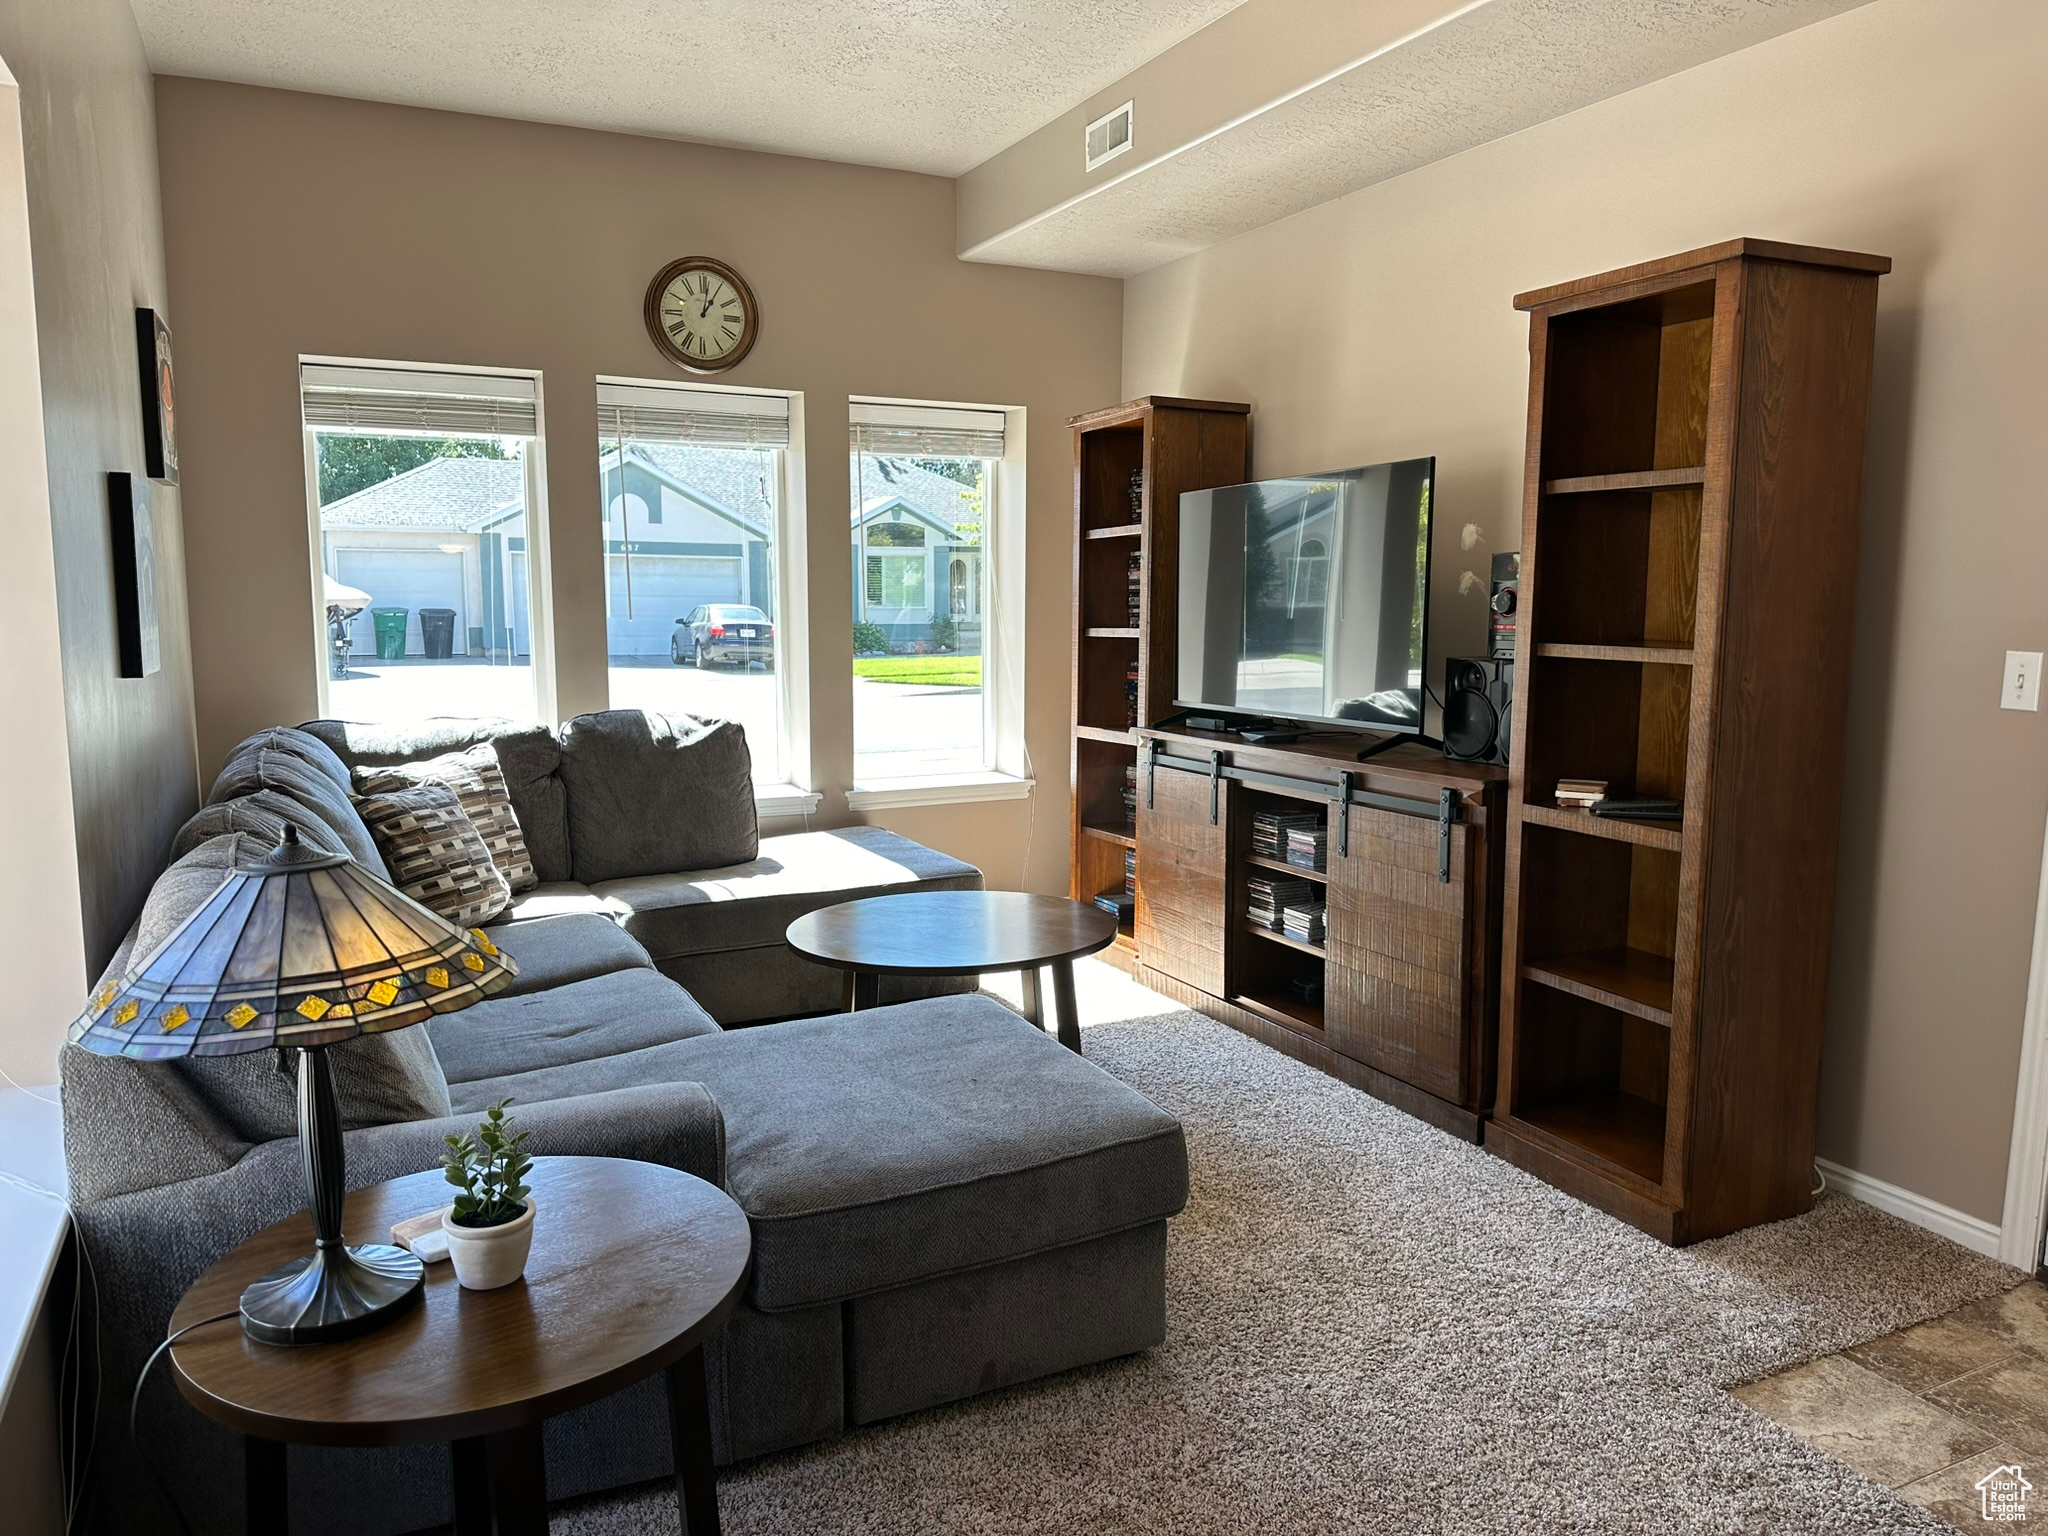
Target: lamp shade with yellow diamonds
(301, 949)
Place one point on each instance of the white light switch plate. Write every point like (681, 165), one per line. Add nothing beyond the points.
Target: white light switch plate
(2022, 681)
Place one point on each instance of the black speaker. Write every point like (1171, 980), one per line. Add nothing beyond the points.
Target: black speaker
(1507, 584)
(1479, 696)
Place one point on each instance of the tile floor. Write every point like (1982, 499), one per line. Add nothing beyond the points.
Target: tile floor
(1931, 1409)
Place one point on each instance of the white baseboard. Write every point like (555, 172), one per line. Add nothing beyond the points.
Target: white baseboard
(1973, 1232)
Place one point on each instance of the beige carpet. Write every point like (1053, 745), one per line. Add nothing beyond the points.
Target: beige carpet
(1375, 1328)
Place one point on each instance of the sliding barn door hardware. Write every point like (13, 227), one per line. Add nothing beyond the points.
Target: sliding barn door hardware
(1346, 782)
(1151, 765)
(1446, 813)
(1215, 784)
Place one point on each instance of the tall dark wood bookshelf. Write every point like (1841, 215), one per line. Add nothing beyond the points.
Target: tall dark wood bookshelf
(1690, 515)
(1131, 464)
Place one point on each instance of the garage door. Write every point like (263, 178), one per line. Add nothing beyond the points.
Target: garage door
(411, 579)
(647, 600)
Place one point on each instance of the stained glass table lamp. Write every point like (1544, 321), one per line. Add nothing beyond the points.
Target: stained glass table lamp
(301, 949)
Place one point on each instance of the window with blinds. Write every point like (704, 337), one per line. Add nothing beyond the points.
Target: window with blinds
(704, 418)
(692, 506)
(427, 515)
(924, 484)
(925, 431)
(432, 403)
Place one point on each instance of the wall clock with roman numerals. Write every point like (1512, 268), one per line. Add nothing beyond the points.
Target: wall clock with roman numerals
(702, 314)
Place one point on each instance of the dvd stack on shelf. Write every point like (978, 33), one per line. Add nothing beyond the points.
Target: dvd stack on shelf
(1271, 831)
(1131, 693)
(1303, 921)
(1137, 495)
(1308, 846)
(1137, 577)
(1266, 897)
(1131, 800)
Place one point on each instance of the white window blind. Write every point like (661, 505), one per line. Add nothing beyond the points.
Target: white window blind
(345, 397)
(704, 418)
(931, 431)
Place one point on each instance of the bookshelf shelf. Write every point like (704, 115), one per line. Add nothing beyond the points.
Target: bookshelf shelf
(1104, 733)
(1123, 531)
(1121, 839)
(1616, 1128)
(1627, 980)
(1645, 834)
(1640, 480)
(1298, 945)
(1650, 655)
(1281, 1008)
(1111, 633)
(1281, 866)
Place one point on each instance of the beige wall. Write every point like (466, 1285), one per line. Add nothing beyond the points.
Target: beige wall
(89, 158)
(308, 224)
(1379, 326)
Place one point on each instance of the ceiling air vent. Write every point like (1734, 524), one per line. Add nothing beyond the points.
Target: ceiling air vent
(1108, 136)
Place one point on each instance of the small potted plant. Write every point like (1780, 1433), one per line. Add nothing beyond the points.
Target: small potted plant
(490, 1225)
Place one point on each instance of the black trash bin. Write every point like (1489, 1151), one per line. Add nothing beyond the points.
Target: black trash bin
(437, 633)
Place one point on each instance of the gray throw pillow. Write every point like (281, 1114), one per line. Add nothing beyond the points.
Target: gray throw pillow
(286, 774)
(378, 1079)
(657, 794)
(436, 855)
(529, 756)
(479, 784)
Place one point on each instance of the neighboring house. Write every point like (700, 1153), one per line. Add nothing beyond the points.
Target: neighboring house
(917, 552)
(683, 526)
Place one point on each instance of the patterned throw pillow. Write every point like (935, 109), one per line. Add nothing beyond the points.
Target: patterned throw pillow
(479, 782)
(435, 853)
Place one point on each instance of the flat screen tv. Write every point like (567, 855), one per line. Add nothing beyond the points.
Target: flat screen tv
(1308, 598)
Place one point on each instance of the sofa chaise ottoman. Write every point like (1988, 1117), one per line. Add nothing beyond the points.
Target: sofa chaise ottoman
(944, 1200)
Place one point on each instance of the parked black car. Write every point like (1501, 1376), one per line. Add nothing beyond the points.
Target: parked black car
(727, 632)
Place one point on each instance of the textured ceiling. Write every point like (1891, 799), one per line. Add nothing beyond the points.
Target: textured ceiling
(1492, 71)
(925, 85)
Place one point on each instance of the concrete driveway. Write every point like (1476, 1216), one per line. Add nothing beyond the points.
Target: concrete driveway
(900, 729)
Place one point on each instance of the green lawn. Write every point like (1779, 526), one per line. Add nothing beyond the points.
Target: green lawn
(932, 671)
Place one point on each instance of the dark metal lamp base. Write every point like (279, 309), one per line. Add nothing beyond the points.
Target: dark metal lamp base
(333, 1293)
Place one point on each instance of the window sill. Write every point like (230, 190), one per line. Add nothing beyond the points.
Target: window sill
(776, 800)
(941, 789)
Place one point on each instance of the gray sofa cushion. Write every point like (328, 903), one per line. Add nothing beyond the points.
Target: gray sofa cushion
(554, 951)
(604, 1016)
(743, 906)
(528, 755)
(651, 793)
(559, 898)
(291, 775)
(308, 748)
(883, 1147)
(262, 816)
(663, 1063)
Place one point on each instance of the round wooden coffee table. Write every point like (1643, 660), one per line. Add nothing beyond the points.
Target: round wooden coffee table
(633, 1267)
(958, 933)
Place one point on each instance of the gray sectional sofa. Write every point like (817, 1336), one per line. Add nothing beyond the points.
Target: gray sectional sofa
(944, 1201)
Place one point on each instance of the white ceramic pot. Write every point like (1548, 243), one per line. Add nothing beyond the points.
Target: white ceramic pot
(488, 1257)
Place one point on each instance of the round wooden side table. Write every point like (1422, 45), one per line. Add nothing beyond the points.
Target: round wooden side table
(633, 1267)
(958, 933)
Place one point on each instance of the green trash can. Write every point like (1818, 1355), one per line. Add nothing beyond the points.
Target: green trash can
(390, 624)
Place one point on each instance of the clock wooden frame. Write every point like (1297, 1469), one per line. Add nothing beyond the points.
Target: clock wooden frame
(650, 312)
